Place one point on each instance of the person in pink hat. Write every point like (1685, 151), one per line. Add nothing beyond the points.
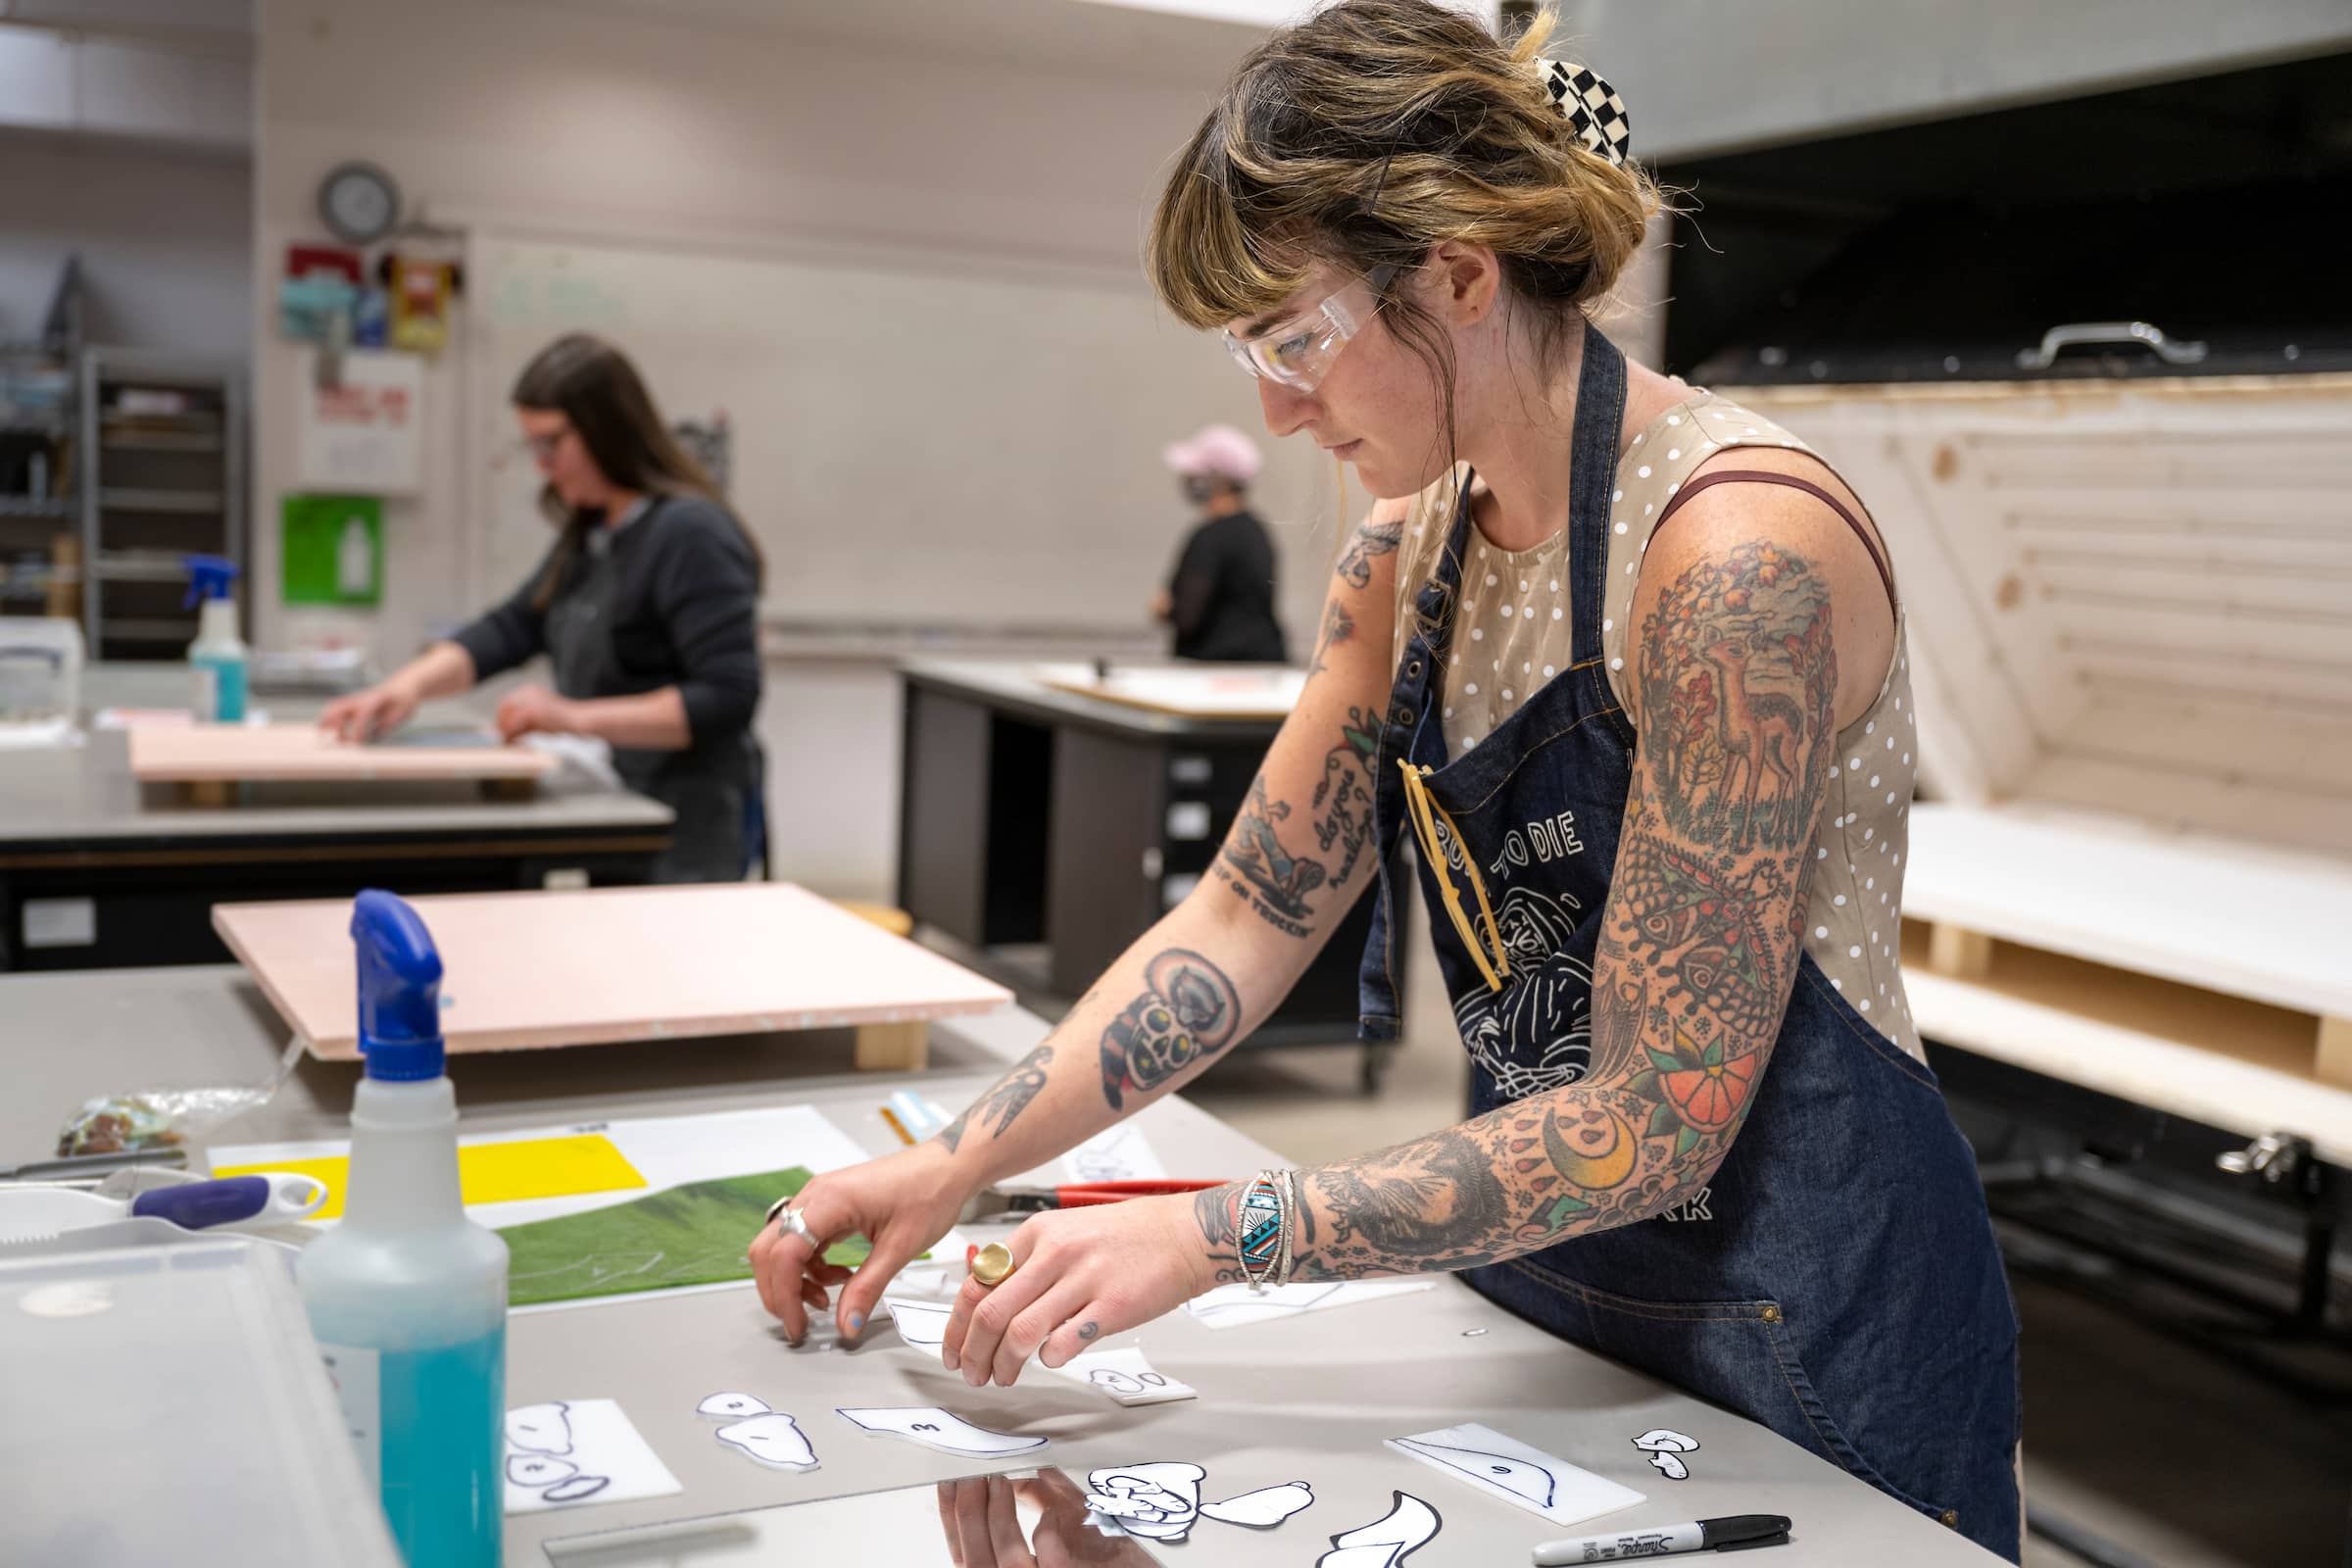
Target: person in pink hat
(1220, 599)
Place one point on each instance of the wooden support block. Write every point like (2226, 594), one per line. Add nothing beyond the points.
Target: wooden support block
(510, 789)
(1958, 952)
(206, 792)
(894, 1046)
(2336, 1052)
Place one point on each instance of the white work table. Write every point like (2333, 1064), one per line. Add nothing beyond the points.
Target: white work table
(1292, 1401)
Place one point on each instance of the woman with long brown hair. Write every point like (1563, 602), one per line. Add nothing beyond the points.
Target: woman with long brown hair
(1627, 658)
(647, 607)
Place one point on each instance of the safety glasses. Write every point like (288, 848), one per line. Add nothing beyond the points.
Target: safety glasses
(1299, 353)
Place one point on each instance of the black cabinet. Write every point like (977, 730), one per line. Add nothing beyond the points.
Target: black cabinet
(1032, 817)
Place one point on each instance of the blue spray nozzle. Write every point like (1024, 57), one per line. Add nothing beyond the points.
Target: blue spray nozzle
(209, 577)
(399, 989)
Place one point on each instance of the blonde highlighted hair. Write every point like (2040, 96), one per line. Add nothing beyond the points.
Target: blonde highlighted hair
(1366, 136)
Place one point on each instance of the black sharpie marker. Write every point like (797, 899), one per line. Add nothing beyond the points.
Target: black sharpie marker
(1735, 1534)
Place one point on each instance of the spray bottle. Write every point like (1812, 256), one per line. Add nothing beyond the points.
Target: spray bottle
(218, 655)
(407, 1296)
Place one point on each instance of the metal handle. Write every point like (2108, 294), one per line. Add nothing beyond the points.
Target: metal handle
(2075, 334)
(2274, 1157)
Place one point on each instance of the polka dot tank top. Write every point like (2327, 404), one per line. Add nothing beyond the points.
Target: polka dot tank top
(1511, 636)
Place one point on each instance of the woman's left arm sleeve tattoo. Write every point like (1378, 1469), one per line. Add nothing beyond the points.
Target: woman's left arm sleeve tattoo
(1701, 940)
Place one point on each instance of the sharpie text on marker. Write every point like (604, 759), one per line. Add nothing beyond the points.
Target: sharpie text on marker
(1730, 1534)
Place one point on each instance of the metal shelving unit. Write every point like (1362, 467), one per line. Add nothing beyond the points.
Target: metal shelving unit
(40, 459)
(161, 482)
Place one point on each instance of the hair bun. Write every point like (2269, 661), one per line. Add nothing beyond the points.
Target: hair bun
(1590, 105)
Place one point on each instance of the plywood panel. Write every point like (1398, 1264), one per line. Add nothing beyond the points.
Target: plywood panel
(526, 970)
(303, 752)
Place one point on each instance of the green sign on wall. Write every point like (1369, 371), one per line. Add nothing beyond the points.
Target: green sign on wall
(333, 549)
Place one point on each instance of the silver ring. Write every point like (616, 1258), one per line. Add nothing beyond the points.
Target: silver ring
(792, 1222)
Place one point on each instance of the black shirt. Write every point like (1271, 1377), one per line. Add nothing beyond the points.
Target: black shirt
(684, 613)
(1223, 593)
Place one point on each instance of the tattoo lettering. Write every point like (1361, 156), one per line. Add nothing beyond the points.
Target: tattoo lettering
(1188, 1012)
(1372, 540)
(1344, 797)
(1011, 1096)
(1338, 627)
(1279, 881)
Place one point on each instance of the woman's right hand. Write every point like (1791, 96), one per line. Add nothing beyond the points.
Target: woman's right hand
(366, 715)
(902, 1203)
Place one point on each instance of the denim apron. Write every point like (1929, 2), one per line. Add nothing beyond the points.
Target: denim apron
(1838, 1280)
(708, 783)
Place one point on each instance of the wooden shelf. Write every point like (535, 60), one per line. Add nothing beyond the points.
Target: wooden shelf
(2227, 1061)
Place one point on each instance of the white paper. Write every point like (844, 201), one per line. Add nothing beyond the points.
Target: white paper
(1231, 1305)
(1117, 1153)
(773, 1438)
(921, 1324)
(1264, 1508)
(1125, 1375)
(1158, 1501)
(732, 1406)
(564, 1452)
(1387, 1540)
(363, 435)
(1504, 1467)
(935, 1428)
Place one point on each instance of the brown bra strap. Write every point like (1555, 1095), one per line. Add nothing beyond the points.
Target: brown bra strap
(1792, 481)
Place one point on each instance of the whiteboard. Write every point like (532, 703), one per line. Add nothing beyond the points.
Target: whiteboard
(916, 439)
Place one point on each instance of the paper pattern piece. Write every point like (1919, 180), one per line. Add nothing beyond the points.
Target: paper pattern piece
(487, 1173)
(1666, 1447)
(921, 1324)
(773, 1438)
(1264, 1508)
(1119, 1153)
(1124, 1375)
(1387, 1540)
(934, 1428)
(570, 1451)
(1232, 1306)
(1158, 1501)
(733, 1406)
(1504, 1467)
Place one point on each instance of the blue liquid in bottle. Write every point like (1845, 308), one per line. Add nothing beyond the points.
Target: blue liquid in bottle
(438, 1449)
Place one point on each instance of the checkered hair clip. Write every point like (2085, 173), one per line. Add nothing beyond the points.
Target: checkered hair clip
(1590, 105)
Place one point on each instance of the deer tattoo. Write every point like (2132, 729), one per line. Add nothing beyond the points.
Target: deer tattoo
(1759, 732)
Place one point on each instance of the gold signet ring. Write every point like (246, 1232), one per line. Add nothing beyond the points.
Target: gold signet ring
(993, 1265)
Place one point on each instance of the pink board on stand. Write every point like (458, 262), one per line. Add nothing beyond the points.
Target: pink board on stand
(525, 970)
(208, 754)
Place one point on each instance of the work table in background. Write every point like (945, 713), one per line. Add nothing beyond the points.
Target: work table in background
(1048, 828)
(97, 871)
(1278, 1401)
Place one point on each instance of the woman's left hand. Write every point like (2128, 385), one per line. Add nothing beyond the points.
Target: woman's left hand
(534, 707)
(1078, 1274)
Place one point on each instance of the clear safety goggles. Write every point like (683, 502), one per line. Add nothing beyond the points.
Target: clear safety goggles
(1299, 353)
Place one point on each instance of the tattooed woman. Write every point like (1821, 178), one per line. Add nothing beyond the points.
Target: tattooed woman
(1629, 661)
